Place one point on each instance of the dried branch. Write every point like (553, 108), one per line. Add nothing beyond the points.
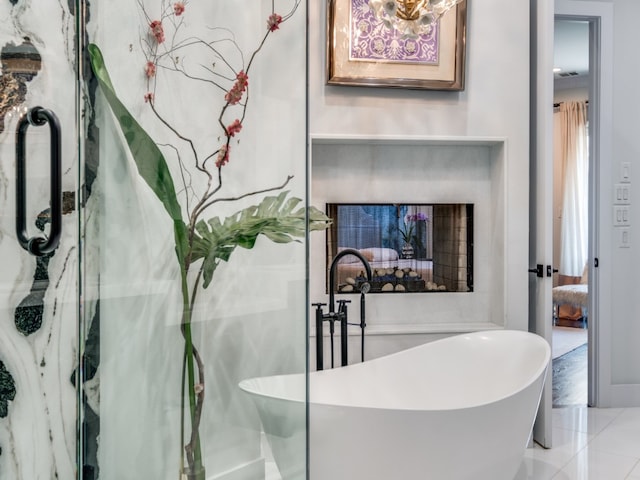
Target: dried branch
(245, 195)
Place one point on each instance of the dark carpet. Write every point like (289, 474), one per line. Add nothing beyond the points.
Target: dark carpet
(570, 378)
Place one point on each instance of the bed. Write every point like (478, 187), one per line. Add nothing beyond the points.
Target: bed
(383, 261)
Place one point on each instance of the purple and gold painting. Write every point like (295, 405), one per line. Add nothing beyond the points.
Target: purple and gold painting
(372, 40)
(368, 46)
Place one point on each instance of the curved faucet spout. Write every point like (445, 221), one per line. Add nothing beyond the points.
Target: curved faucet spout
(334, 263)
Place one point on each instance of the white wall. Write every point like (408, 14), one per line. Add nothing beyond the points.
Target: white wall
(494, 104)
(618, 305)
(625, 303)
(570, 94)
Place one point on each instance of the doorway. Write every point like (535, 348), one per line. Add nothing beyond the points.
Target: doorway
(571, 215)
(599, 16)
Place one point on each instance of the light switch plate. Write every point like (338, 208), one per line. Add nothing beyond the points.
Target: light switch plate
(625, 172)
(622, 194)
(624, 237)
(621, 216)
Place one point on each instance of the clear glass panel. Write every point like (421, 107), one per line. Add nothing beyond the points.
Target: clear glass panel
(38, 296)
(181, 305)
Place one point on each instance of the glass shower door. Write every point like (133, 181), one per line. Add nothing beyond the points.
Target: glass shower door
(38, 241)
(195, 233)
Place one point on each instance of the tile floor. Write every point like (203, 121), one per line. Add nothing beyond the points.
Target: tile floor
(588, 444)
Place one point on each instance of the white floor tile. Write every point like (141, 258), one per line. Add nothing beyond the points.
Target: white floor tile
(562, 476)
(629, 418)
(618, 439)
(532, 469)
(635, 473)
(566, 444)
(584, 419)
(591, 464)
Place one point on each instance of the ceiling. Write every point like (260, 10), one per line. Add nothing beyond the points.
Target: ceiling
(571, 51)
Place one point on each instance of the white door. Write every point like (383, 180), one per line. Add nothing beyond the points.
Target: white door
(541, 196)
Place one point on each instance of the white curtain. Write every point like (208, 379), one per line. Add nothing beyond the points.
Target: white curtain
(575, 217)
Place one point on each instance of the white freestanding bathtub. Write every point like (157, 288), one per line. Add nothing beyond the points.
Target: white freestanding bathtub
(458, 408)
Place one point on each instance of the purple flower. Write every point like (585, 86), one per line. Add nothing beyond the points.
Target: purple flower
(415, 217)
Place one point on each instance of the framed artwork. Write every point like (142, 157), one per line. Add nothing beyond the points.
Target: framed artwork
(362, 51)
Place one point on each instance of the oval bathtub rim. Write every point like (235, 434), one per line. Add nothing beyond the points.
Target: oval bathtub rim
(246, 385)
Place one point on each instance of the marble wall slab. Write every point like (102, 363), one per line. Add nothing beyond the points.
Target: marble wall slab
(38, 303)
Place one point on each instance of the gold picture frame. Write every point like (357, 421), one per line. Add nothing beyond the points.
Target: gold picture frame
(363, 52)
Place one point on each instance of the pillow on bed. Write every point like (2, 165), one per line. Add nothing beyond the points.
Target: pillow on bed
(379, 254)
(367, 254)
(348, 258)
(374, 254)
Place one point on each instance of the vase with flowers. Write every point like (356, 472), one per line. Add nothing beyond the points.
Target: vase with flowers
(202, 241)
(408, 233)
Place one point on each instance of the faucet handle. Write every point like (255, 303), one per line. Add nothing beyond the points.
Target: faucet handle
(342, 306)
(319, 305)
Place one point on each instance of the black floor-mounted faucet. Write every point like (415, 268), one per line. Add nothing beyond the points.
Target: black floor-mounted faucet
(341, 314)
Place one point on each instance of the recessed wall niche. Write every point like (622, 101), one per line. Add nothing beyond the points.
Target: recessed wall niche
(420, 171)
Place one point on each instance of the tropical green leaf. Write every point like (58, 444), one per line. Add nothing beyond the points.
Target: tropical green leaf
(317, 219)
(276, 217)
(149, 160)
(181, 237)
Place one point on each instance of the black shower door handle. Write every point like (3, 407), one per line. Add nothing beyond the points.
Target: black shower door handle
(39, 246)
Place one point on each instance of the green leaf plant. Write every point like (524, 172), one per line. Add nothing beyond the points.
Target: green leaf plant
(202, 244)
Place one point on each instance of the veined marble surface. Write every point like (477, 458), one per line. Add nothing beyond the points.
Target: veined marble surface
(38, 435)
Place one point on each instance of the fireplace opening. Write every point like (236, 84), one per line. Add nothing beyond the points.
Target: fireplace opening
(410, 247)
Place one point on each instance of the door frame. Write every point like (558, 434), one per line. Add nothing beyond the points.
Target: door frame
(541, 204)
(600, 18)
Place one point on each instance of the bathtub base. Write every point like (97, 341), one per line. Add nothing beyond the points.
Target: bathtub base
(456, 445)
